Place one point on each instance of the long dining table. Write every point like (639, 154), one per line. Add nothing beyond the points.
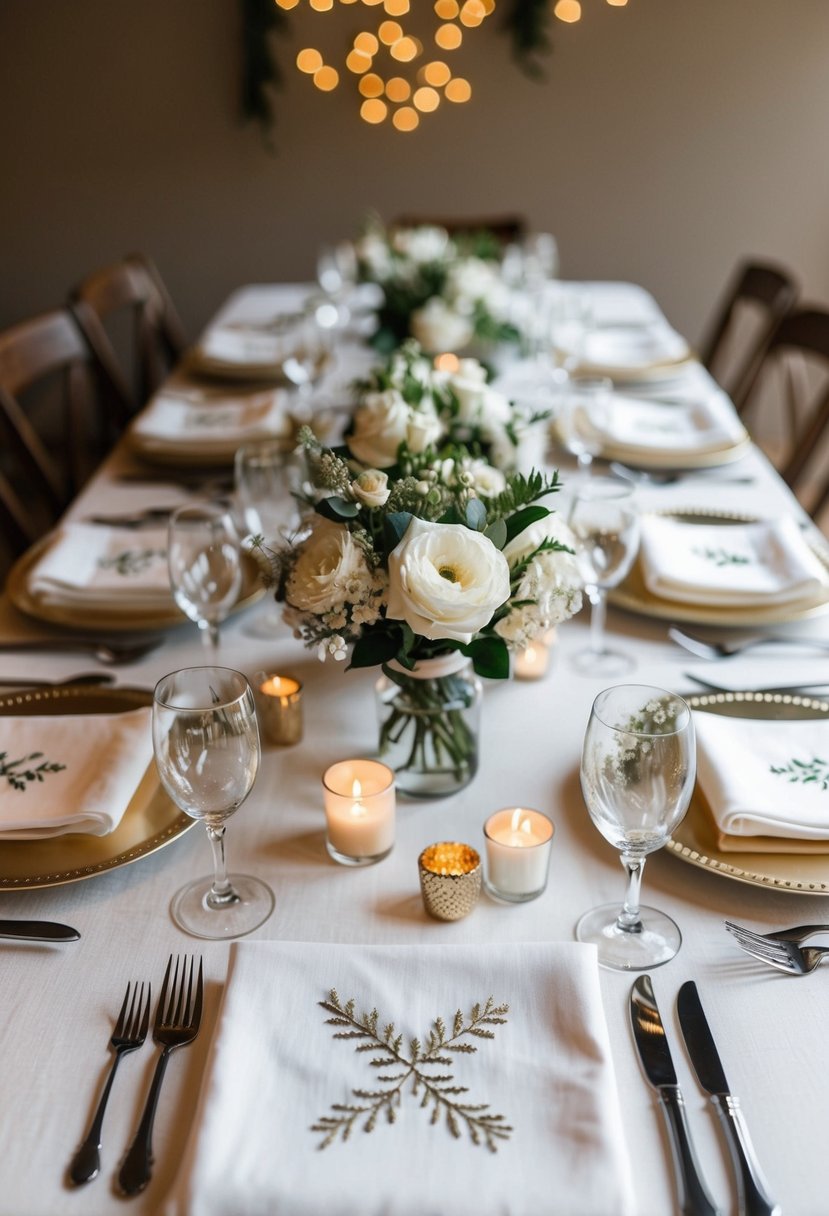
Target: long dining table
(58, 1003)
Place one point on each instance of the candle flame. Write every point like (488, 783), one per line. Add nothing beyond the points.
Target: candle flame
(517, 824)
(356, 789)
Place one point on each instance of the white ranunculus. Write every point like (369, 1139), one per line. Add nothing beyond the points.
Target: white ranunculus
(371, 488)
(486, 480)
(425, 428)
(380, 425)
(427, 243)
(330, 568)
(446, 581)
(438, 327)
(472, 279)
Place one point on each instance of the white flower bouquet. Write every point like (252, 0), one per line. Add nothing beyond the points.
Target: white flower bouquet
(419, 568)
(409, 402)
(446, 293)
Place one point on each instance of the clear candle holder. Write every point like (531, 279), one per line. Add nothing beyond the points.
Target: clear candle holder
(279, 708)
(359, 811)
(518, 847)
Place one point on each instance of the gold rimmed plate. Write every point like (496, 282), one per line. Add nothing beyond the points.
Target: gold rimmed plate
(695, 840)
(150, 822)
(110, 620)
(671, 461)
(633, 593)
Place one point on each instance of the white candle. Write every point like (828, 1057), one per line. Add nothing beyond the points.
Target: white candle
(359, 811)
(518, 847)
(531, 662)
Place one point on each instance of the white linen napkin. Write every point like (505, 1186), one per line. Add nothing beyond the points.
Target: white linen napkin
(74, 773)
(278, 1071)
(242, 343)
(626, 348)
(172, 424)
(732, 565)
(99, 567)
(692, 427)
(765, 778)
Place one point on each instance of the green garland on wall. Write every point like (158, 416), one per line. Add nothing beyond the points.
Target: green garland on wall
(526, 22)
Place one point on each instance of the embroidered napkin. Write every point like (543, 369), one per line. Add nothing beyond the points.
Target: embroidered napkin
(171, 424)
(733, 565)
(695, 426)
(93, 566)
(312, 1108)
(765, 779)
(70, 774)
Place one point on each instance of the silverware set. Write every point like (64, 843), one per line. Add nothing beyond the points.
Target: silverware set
(782, 949)
(176, 1024)
(651, 1041)
(128, 650)
(705, 649)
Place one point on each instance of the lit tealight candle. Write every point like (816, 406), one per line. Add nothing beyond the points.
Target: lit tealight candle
(447, 362)
(531, 662)
(279, 699)
(359, 811)
(518, 847)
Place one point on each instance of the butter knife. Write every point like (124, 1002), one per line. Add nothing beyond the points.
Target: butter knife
(752, 1188)
(37, 931)
(652, 1044)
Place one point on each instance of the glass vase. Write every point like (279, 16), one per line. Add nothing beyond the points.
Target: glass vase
(429, 725)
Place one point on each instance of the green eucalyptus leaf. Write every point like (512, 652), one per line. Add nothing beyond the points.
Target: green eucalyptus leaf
(336, 508)
(497, 533)
(475, 515)
(396, 524)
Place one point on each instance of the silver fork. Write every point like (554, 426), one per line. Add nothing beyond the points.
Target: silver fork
(797, 934)
(177, 1019)
(786, 956)
(729, 650)
(129, 1034)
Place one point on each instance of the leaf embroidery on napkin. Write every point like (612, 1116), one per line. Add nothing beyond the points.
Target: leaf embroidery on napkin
(815, 772)
(20, 778)
(131, 561)
(395, 1066)
(721, 557)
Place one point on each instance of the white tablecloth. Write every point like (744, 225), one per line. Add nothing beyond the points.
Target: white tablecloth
(57, 1005)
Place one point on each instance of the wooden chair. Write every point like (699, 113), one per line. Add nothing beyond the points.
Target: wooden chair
(131, 290)
(789, 388)
(51, 382)
(758, 296)
(506, 229)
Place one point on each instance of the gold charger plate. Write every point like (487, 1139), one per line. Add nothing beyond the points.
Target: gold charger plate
(150, 821)
(694, 840)
(634, 595)
(91, 619)
(650, 458)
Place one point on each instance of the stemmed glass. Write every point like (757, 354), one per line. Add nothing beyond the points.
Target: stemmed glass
(266, 475)
(206, 745)
(204, 560)
(605, 523)
(584, 404)
(637, 775)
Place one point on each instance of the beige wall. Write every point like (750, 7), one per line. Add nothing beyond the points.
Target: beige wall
(672, 137)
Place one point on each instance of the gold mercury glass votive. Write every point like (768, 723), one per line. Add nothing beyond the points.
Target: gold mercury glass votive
(279, 703)
(450, 879)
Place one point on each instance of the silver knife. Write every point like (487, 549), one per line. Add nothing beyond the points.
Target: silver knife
(752, 1187)
(37, 931)
(652, 1044)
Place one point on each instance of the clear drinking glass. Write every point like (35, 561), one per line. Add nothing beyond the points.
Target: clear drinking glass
(266, 475)
(204, 559)
(206, 745)
(637, 775)
(584, 403)
(605, 523)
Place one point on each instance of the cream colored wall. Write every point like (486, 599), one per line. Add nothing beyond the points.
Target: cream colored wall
(672, 137)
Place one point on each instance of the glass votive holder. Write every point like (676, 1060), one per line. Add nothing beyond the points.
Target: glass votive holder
(359, 811)
(279, 708)
(532, 662)
(450, 879)
(518, 847)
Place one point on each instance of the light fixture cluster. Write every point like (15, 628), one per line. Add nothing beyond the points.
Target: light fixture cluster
(379, 59)
(570, 10)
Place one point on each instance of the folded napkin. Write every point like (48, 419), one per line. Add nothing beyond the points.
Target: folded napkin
(254, 342)
(93, 566)
(627, 348)
(732, 565)
(74, 773)
(171, 423)
(765, 779)
(282, 1084)
(692, 427)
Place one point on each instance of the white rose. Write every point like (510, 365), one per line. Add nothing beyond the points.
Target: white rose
(437, 327)
(380, 425)
(329, 566)
(446, 581)
(371, 488)
(424, 429)
(486, 480)
(428, 243)
(373, 252)
(472, 279)
(471, 369)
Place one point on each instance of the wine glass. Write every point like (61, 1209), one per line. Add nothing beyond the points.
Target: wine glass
(204, 560)
(584, 405)
(637, 775)
(206, 746)
(266, 475)
(605, 524)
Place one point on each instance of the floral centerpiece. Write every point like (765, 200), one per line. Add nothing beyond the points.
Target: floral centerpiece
(446, 293)
(422, 576)
(408, 401)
